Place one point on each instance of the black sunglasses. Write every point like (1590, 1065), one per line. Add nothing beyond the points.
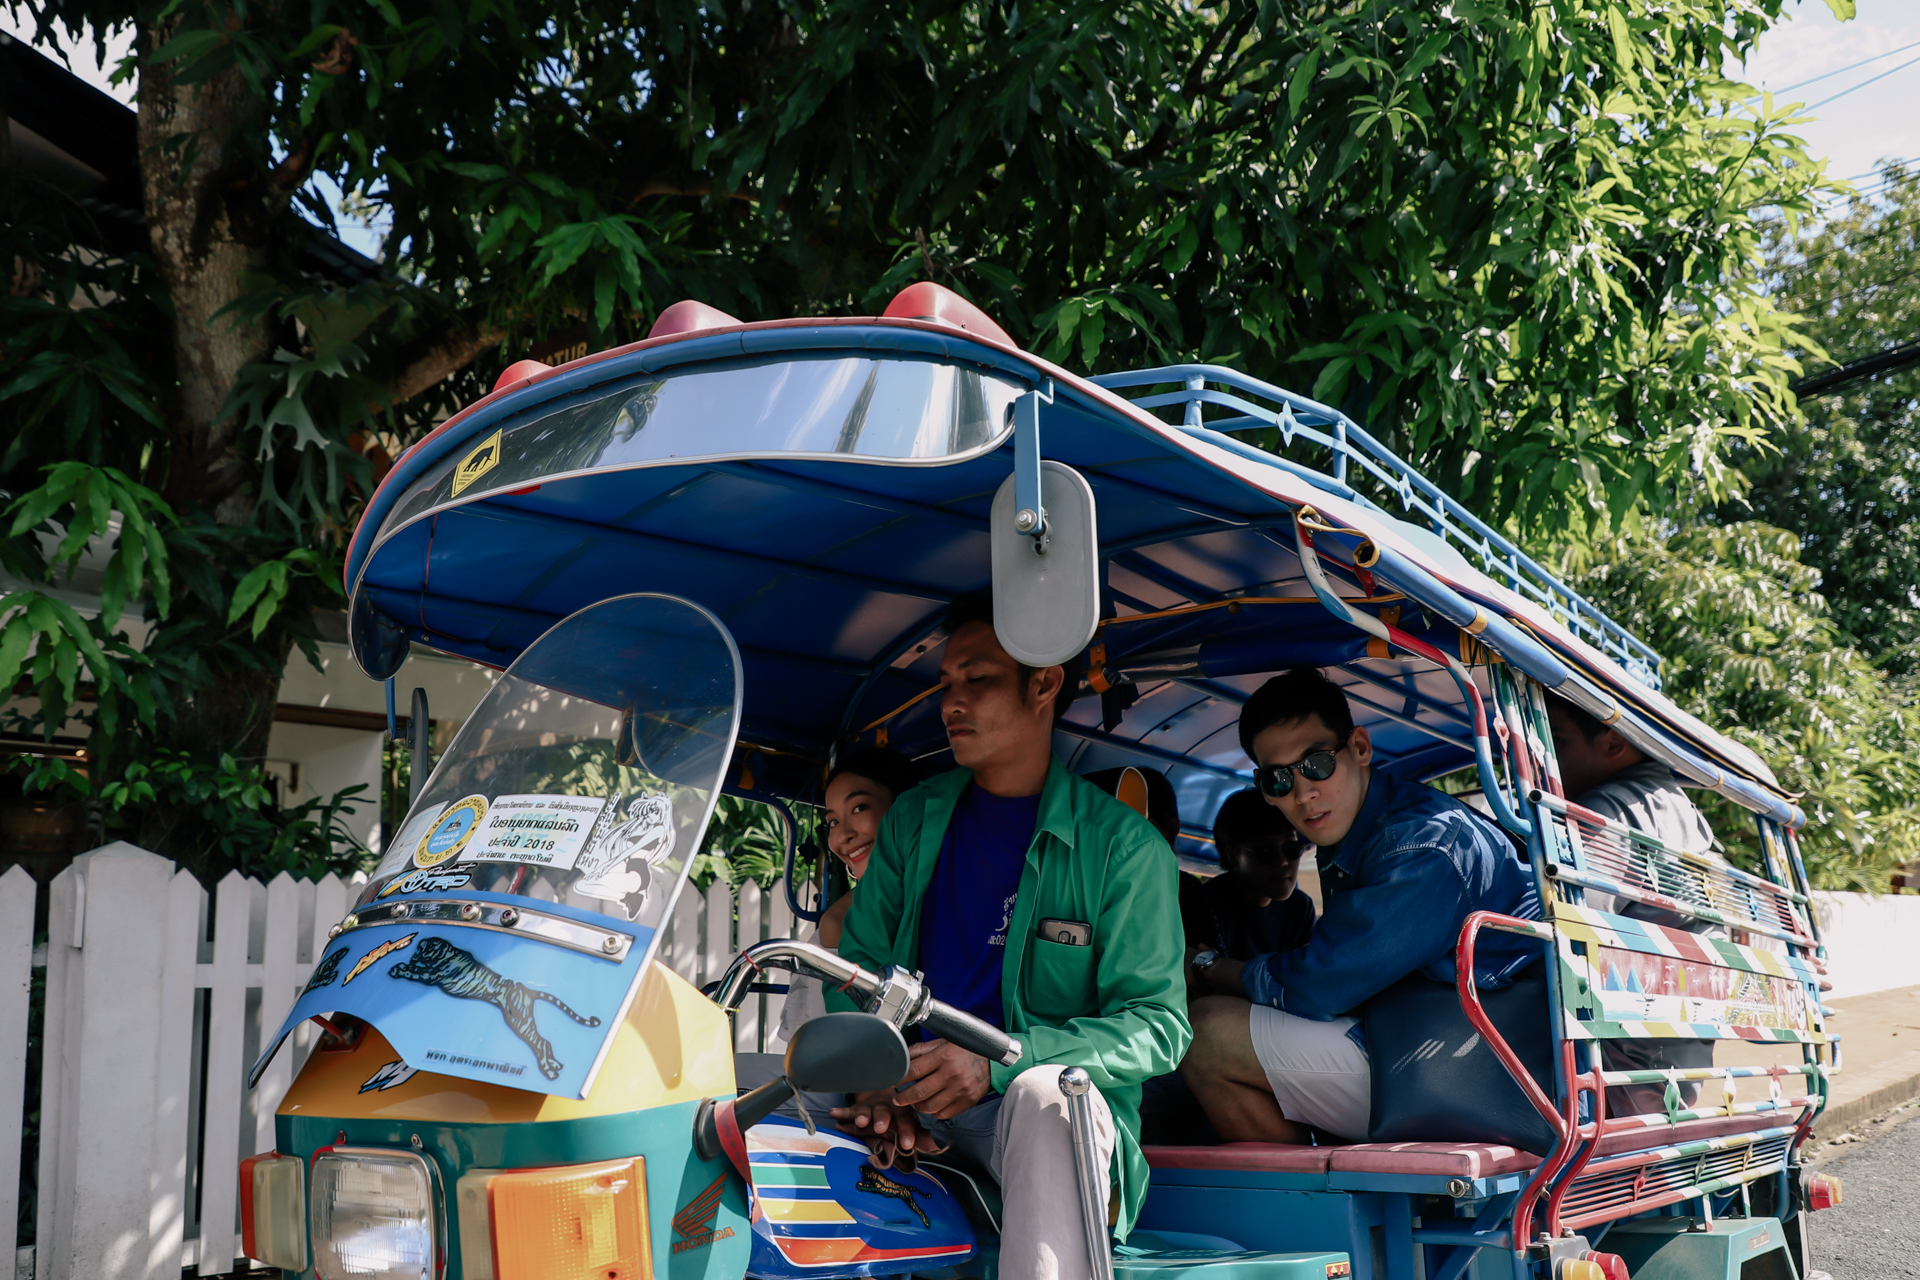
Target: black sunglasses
(1276, 780)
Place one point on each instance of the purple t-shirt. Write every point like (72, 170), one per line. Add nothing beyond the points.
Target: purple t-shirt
(969, 903)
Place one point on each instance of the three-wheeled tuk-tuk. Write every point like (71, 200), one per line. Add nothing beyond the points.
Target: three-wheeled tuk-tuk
(709, 561)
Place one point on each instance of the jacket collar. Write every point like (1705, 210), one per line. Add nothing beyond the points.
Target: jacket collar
(1373, 810)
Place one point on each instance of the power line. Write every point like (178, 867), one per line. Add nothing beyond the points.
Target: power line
(1824, 303)
(1863, 84)
(1832, 380)
(1825, 75)
(1848, 247)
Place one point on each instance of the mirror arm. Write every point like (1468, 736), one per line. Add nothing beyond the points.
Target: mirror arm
(1030, 514)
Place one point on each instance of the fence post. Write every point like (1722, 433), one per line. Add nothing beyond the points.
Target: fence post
(16, 978)
(220, 1154)
(719, 943)
(107, 1002)
(173, 1078)
(746, 1023)
(280, 954)
(780, 922)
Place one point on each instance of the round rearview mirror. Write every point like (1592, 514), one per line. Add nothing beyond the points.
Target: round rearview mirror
(846, 1053)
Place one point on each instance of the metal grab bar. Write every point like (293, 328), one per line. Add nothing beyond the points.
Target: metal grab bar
(1076, 1084)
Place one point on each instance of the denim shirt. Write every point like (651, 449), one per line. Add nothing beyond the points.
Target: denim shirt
(1415, 864)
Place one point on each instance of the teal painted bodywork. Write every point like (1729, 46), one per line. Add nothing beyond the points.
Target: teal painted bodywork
(664, 1135)
(1685, 1249)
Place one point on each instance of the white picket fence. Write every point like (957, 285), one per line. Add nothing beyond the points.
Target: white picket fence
(158, 995)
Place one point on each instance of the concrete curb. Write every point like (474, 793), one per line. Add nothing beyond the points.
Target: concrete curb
(1836, 1120)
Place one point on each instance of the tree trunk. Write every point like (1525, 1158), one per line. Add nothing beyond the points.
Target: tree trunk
(205, 186)
(210, 204)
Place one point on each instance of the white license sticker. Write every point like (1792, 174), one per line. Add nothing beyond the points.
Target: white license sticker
(397, 854)
(547, 831)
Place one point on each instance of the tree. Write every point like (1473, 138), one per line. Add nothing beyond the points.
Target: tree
(1515, 236)
(1843, 478)
(1749, 647)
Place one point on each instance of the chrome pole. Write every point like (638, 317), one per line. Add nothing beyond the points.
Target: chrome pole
(1074, 1083)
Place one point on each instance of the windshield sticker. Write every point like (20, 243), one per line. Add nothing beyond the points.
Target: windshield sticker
(547, 831)
(619, 866)
(428, 882)
(326, 971)
(483, 458)
(447, 837)
(441, 964)
(390, 1076)
(399, 850)
(384, 949)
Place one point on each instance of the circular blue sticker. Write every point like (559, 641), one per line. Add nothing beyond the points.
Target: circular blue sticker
(450, 834)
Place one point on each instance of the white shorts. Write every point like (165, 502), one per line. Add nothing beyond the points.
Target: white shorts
(1318, 1074)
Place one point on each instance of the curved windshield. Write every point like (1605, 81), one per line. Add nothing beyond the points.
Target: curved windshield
(586, 776)
(831, 405)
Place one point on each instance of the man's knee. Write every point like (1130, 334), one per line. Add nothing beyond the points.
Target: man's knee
(1036, 1087)
(1219, 1032)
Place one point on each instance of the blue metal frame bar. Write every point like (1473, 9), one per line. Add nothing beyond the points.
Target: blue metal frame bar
(1350, 443)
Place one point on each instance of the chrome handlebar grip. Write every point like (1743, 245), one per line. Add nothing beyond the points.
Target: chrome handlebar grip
(795, 957)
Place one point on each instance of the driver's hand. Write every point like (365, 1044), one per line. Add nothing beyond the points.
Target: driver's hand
(943, 1079)
(889, 1130)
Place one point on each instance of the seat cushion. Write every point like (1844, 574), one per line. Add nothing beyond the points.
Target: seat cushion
(1247, 1157)
(1441, 1159)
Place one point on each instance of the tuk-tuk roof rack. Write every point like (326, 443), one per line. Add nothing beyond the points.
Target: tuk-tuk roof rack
(1351, 445)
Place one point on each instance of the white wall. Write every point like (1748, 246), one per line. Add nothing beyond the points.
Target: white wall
(454, 686)
(329, 760)
(1873, 941)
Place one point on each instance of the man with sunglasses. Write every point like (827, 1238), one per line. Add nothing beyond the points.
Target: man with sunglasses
(1279, 1047)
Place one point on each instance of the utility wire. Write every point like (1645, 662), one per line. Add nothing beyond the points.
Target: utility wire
(1827, 75)
(1848, 247)
(1863, 84)
(1823, 304)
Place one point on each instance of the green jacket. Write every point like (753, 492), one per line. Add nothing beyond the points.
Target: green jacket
(1117, 1008)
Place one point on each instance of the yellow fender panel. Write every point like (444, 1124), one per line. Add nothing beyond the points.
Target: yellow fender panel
(675, 1046)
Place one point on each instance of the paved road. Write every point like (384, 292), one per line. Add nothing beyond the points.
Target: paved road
(1876, 1233)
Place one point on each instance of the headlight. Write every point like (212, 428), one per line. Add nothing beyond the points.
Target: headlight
(374, 1215)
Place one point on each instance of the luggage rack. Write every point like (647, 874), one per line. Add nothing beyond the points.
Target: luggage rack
(1295, 416)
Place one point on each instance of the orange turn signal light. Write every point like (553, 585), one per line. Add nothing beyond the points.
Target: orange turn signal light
(580, 1222)
(273, 1210)
(1823, 1191)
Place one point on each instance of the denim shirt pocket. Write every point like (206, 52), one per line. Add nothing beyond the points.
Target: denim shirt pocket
(1060, 980)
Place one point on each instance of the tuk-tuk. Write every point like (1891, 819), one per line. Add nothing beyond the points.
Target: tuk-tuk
(712, 561)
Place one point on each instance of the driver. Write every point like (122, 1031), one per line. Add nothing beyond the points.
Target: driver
(1033, 900)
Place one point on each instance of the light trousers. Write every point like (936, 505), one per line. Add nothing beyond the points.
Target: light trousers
(1022, 1137)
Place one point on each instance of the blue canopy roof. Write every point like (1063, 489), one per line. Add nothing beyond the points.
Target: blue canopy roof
(823, 487)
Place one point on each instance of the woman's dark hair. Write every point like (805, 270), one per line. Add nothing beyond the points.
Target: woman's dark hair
(977, 606)
(1295, 695)
(1246, 819)
(883, 765)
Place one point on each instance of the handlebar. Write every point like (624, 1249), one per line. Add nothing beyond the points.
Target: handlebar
(970, 1033)
(898, 995)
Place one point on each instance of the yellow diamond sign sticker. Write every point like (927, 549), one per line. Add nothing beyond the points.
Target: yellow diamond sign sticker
(484, 458)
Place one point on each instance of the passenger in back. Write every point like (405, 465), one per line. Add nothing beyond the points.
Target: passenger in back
(1602, 771)
(1253, 907)
(1401, 868)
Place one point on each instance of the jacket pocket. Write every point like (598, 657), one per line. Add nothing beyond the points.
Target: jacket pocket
(1060, 980)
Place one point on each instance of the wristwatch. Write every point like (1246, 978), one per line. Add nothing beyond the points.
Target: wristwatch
(1206, 960)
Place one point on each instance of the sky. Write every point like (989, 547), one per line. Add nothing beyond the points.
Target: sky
(1876, 117)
